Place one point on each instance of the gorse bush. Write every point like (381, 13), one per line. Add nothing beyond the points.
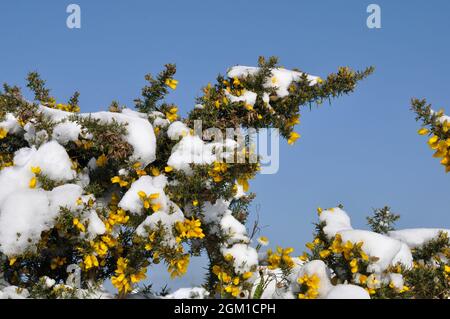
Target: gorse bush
(89, 197)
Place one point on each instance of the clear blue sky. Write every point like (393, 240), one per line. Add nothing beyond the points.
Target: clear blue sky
(363, 151)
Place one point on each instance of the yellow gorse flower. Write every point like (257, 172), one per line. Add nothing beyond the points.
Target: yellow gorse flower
(90, 261)
(51, 103)
(311, 283)
(118, 217)
(124, 280)
(168, 169)
(172, 83)
(243, 181)
(76, 222)
(178, 266)
(217, 171)
(102, 160)
(33, 182)
(149, 200)
(324, 253)
(172, 115)
(12, 261)
(118, 180)
(280, 259)
(3, 133)
(294, 136)
(354, 266)
(423, 131)
(190, 228)
(293, 120)
(35, 170)
(155, 171)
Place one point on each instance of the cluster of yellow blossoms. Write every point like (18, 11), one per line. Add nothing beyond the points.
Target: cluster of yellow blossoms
(441, 145)
(60, 106)
(172, 83)
(352, 252)
(139, 171)
(294, 136)
(148, 201)
(348, 249)
(178, 266)
(102, 160)
(84, 144)
(229, 283)
(217, 171)
(124, 280)
(243, 181)
(98, 250)
(3, 133)
(178, 262)
(447, 272)
(310, 285)
(90, 261)
(119, 180)
(116, 216)
(189, 228)
(280, 258)
(172, 114)
(33, 181)
(79, 225)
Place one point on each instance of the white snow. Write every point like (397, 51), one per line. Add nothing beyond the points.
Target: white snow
(388, 250)
(64, 196)
(23, 216)
(416, 237)
(336, 220)
(51, 157)
(166, 219)
(248, 97)
(150, 185)
(14, 292)
(25, 213)
(213, 213)
(244, 257)
(188, 293)
(66, 132)
(11, 124)
(318, 268)
(16, 178)
(177, 129)
(133, 113)
(281, 78)
(233, 229)
(396, 280)
(191, 150)
(140, 134)
(167, 215)
(96, 226)
(274, 287)
(347, 291)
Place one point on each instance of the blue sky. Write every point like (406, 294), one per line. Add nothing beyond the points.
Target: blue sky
(362, 151)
